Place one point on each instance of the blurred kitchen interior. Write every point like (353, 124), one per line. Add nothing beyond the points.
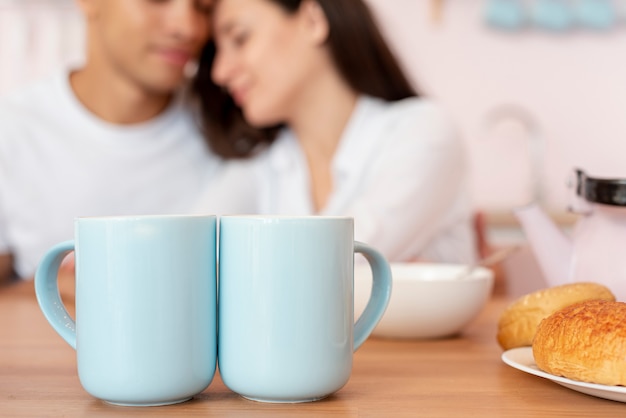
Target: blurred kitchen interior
(533, 99)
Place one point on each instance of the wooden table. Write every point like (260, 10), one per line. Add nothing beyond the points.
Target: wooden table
(461, 376)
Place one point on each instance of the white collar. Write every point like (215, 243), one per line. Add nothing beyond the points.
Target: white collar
(356, 139)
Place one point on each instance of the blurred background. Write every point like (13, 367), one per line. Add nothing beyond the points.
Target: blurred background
(37, 37)
(537, 87)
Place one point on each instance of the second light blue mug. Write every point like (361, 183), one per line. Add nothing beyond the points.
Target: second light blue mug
(145, 329)
(286, 305)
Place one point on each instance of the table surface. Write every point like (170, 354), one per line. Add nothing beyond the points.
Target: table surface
(460, 376)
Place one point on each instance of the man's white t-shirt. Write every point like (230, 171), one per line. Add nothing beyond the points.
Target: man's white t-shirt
(58, 161)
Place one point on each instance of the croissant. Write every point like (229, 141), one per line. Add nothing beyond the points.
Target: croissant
(585, 342)
(518, 323)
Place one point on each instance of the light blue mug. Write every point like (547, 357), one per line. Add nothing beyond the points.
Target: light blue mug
(285, 310)
(145, 330)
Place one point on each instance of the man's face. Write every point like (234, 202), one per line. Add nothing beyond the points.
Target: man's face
(147, 43)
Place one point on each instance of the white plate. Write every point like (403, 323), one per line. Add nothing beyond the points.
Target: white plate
(522, 359)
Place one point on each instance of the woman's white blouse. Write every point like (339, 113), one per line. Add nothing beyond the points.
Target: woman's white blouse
(399, 170)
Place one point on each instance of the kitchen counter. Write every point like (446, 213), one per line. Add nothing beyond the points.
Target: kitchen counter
(461, 376)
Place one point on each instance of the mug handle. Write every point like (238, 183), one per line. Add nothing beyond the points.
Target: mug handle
(47, 291)
(381, 292)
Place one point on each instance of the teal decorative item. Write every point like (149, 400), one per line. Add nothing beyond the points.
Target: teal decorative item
(553, 15)
(596, 14)
(505, 14)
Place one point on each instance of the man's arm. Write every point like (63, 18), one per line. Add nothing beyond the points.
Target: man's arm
(6, 268)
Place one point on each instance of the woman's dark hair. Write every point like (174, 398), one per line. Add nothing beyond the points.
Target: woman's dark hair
(358, 49)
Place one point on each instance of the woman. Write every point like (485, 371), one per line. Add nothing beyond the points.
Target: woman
(349, 136)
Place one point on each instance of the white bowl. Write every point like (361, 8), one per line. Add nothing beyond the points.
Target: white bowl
(427, 300)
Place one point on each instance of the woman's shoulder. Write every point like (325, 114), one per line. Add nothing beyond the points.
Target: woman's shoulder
(417, 120)
(420, 109)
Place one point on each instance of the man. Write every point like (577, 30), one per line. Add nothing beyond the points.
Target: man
(115, 137)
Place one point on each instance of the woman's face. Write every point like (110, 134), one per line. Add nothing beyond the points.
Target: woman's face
(266, 56)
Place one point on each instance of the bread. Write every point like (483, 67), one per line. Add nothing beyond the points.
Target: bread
(518, 323)
(585, 342)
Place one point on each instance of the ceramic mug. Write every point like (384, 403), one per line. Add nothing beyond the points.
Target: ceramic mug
(285, 310)
(145, 330)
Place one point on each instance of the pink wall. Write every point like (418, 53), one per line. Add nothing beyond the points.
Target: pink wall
(572, 85)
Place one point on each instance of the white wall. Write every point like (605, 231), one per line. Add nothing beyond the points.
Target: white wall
(36, 37)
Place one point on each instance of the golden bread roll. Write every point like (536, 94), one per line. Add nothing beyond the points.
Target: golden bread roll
(585, 342)
(518, 323)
